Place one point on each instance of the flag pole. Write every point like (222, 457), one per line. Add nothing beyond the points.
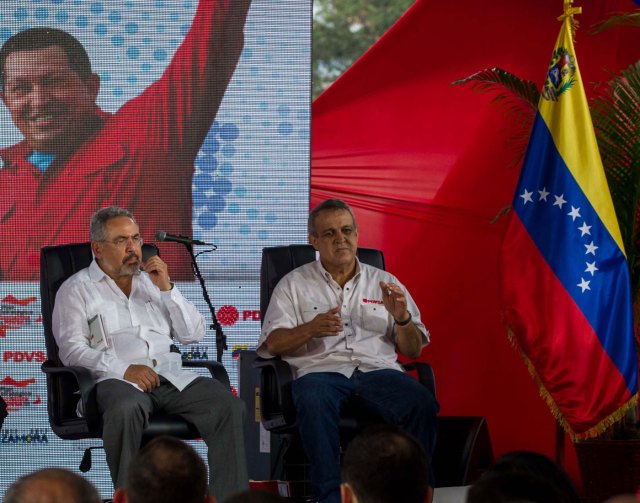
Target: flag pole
(569, 11)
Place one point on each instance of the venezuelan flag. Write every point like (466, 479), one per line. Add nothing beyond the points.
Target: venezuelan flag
(564, 278)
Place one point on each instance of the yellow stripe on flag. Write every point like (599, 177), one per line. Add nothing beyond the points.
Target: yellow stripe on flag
(568, 118)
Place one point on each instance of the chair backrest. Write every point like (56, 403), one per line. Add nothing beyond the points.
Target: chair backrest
(57, 264)
(277, 261)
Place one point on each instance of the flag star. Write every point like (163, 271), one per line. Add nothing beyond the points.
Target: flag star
(526, 196)
(543, 194)
(584, 284)
(574, 213)
(591, 248)
(591, 267)
(585, 229)
(559, 201)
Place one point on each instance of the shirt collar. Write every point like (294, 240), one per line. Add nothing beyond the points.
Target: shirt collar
(327, 275)
(95, 272)
(104, 148)
(41, 160)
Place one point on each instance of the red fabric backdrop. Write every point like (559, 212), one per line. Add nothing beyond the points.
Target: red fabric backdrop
(426, 168)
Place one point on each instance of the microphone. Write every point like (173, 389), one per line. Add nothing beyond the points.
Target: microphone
(165, 236)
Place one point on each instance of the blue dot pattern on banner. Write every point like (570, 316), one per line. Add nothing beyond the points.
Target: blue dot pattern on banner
(145, 47)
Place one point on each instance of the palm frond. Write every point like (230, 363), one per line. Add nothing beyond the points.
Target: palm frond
(518, 97)
(512, 91)
(619, 19)
(616, 119)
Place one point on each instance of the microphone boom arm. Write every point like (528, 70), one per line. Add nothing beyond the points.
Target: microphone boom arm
(221, 338)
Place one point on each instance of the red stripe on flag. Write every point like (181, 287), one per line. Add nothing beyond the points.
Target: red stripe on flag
(573, 368)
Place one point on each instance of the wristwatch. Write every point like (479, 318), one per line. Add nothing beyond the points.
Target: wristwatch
(403, 322)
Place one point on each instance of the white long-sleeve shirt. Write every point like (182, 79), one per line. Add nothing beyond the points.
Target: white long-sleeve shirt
(137, 329)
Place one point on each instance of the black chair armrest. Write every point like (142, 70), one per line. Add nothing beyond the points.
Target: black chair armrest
(86, 388)
(3, 411)
(216, 369)
(424, 373)
(276, 404)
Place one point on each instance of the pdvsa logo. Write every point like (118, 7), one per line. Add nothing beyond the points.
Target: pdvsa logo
(17, 393)
(24, 356)
(229, 315)
(34, 436)
(371, 301)
(16, 313)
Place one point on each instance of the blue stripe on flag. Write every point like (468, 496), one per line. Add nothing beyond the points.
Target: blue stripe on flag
(565, 241)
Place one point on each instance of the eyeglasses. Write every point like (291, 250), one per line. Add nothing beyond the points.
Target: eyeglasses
(122, 241)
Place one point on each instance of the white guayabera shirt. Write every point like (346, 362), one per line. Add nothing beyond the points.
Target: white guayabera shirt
(137, 330)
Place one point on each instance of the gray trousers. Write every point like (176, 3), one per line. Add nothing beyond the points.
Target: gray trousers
(208, 404)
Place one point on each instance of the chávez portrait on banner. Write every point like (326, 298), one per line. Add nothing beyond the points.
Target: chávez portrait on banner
(124, 127)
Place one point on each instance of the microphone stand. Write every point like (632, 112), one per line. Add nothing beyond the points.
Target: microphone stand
(221, 338)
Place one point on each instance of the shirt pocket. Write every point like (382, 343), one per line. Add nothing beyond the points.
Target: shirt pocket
(109, 314)
(374, 318)
(309, 310)
(157, 319)
(158, 342)
(127, 344)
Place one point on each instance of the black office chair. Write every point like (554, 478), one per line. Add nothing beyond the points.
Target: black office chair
(278, 414)
(68, 385)
(3, 411)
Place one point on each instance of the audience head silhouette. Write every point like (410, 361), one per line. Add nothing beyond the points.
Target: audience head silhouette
(52, 485)
(166, 470)
(385, 464)
(524, 477)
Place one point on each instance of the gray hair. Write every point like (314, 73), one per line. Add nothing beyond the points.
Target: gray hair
(328, 205)
(98, 225)
(81, 489)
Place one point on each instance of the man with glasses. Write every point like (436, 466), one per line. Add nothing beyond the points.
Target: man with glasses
(118, 318)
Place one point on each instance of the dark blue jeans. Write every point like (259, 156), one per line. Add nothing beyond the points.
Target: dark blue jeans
(393, 396)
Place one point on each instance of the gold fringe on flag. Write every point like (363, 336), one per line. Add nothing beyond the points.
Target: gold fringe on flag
(592, 432)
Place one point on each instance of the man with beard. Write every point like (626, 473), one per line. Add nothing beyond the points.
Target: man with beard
(118, 318)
